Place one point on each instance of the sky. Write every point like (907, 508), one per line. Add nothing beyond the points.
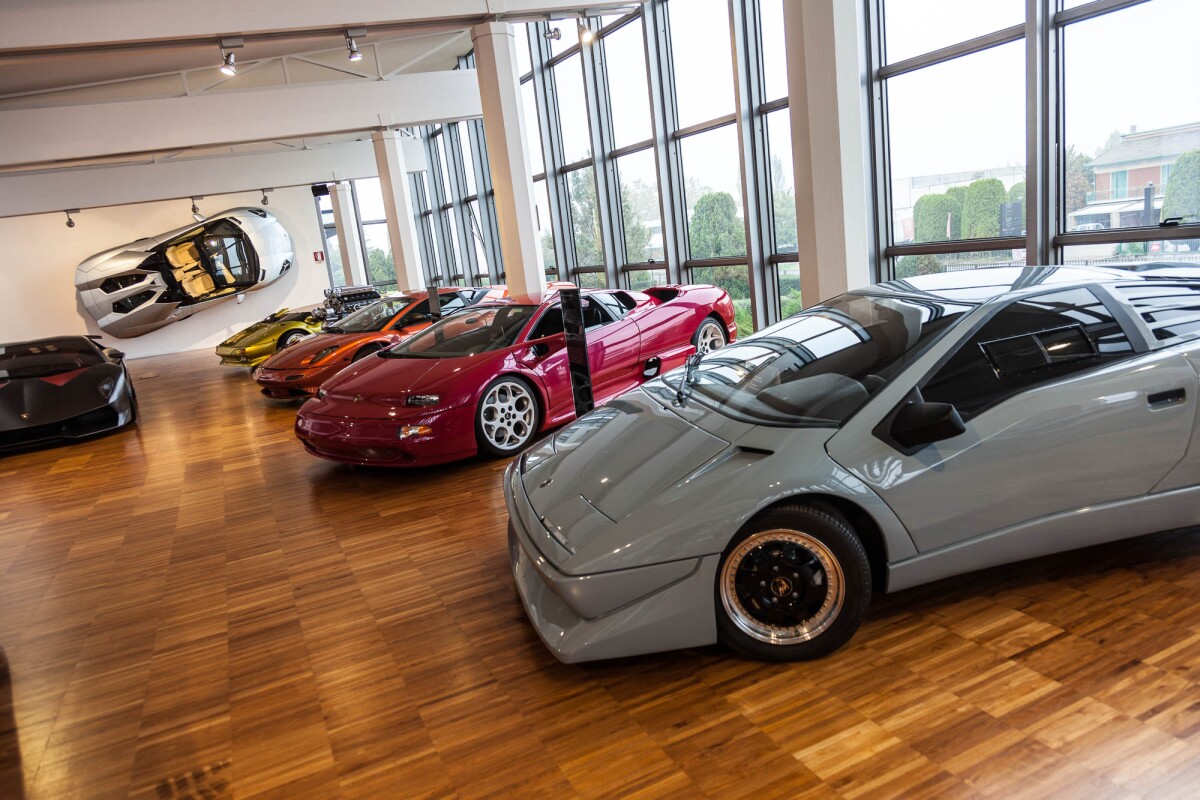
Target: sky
(1135, 67)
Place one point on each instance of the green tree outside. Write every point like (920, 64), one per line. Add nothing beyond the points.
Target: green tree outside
(1182, 198)
(930, 217)
(981, 208)
(381, 269)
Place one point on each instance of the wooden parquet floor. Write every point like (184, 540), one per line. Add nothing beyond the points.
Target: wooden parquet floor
(197, 608)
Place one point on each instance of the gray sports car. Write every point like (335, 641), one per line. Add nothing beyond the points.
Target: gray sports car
(62, 389)
(892, 436)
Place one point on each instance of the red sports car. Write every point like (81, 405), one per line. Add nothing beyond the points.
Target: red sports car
(298, 370)
(493, 376)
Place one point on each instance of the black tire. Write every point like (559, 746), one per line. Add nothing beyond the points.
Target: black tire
(710, 335)
(366, 351)
(287, 338)
(508, 405)
(810, 612)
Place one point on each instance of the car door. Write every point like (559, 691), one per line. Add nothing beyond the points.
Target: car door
(614, 347)
(1061, 412)
(1171, 312)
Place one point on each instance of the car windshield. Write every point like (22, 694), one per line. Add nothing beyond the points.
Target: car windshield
(474, 330)
(819, 366)
(42, 359)
(372, 318)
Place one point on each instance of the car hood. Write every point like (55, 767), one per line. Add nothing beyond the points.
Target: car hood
(297, 355)
(641, 482)
(377, 388)
(255, 334)
(28, 402)
(592, 475)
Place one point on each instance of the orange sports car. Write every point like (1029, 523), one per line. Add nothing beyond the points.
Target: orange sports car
(300, 369)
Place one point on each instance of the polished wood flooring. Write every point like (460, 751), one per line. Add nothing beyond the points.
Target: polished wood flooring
(197, 608)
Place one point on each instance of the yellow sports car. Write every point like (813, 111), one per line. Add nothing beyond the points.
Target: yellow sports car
(252, 346)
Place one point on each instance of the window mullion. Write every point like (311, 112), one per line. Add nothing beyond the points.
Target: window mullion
(755, 168)
(556, 187)
(458, 185)
(608, 200)
(660, 74)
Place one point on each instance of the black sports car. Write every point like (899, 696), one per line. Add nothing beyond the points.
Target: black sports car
(62, 389)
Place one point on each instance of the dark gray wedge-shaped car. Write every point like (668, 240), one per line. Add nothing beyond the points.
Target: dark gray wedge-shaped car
(61, 389)
(895, 435)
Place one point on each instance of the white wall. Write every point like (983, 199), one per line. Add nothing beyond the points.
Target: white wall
(38, 256)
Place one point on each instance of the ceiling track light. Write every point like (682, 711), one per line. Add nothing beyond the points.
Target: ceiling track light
(353, 53)
(228, 59)
(196, 215)
(266, 200)
(553, 33)
(586, 34)
(69, 212)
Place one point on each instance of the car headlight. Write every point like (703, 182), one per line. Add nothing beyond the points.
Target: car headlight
(106, 387)
(321, 393)
(423, 400)
(320, 354)
(238, 351)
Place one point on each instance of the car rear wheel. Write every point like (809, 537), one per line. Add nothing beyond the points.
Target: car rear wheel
(288, 338)
(793, 585)
(709, 336)
(507, 418)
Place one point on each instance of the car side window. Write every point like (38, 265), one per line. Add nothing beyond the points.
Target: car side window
(595, 314)
(1030, 342)
(611, 303)
(451, 302)
(550, 323)
(410, 317)
(1172, 311)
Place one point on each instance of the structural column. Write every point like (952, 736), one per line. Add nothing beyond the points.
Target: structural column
(504, 129)
(827, 80)
(397, 203)
(349, 243)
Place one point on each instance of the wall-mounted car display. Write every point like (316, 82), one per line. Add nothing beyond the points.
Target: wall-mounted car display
(144, 285)
(491, 377)
(60, 389)
(253, 345)
(300, 370)
(342, 300)
(893, 436)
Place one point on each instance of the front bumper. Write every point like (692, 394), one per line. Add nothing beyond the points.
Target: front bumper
(251, 358)
(111, 417)
(377, 442)
(608, 614)
(301, 382)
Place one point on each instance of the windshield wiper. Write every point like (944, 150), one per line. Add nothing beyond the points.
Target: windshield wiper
(689, 378)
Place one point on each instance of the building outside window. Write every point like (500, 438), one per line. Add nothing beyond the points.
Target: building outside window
(964, 182)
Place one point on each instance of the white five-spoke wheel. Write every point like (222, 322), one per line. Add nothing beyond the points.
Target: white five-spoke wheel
(709, 336)
(507, 419)
(794, 584)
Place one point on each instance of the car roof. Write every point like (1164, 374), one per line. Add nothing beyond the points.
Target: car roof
(53, 343)
(978, 286)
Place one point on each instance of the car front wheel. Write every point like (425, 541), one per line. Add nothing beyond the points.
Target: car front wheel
(709, 336)
(794, 584)
(507, 418)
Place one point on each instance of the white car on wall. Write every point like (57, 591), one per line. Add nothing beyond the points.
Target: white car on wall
(144, 285)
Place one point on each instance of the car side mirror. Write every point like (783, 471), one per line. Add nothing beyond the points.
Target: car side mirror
(540, 349)
(115, 355)
(918, 423)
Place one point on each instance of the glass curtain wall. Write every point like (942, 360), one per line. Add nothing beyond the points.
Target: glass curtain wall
(640, 175)
(456, 214)
(1107, 172)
